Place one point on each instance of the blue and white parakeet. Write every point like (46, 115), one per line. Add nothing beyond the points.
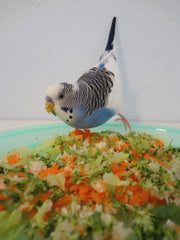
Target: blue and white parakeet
(94, 98)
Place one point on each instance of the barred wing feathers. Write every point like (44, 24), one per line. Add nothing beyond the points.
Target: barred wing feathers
(95, 87)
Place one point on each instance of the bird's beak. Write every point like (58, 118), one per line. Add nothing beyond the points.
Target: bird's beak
(49, 106)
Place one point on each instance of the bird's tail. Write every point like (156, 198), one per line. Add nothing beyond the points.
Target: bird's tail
(109, 50)
(109, 45)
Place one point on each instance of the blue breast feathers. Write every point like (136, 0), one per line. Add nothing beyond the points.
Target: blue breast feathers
(98, 117)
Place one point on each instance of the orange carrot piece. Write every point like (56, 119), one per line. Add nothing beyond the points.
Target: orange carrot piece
(51, 170)
(45, 196)
(4, 198)
(20, 174)
(121, 195)
(136, 154)
(133, 177)
(13, 159)
(33, 213)
(59, 211)
(82, 232)
(177, 228)
(86, 133)
(47, 215)
(159, 143)
(171, 183)
(62, 147)
(2, 208)
(154, 200)
(76, 132)
(163, 164)
(125, 145)
(62, 202)
(136, 188)
(139, 198)
(41, 197)
(11, 174)
(83, 194)
(119, 168)
(147, 156)
(41, 232)
(70, 143)
(93, 196)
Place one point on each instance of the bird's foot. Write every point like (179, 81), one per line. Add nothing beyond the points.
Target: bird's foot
(125, 122)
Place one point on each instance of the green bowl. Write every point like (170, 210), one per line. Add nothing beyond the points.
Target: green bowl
(32, 136)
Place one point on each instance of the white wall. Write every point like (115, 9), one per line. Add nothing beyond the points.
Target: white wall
(43, 41)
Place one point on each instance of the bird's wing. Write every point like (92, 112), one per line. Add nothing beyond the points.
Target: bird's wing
(95, 87)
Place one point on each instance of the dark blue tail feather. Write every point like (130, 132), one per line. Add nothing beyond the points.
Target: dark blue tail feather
(109, 45)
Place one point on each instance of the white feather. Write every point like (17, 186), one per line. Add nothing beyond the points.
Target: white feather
(53, 91)
(115, 100)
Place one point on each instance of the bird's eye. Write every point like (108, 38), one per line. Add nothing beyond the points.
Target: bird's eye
(61, 96)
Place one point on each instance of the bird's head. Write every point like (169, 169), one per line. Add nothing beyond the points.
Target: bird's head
(52, 96)
(57, 95)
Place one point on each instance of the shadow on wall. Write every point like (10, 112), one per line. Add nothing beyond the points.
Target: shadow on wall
(129, 98)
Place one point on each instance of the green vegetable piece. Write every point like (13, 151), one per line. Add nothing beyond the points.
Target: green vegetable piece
(58, 194)
(139, 143)
(56, 180)
(9, 221)
(170, 211)
(113, 180)
(38, 218)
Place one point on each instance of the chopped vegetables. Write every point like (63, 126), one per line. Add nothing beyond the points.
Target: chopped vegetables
(94, 186)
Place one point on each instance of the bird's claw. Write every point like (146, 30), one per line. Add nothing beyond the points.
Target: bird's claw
(125, 122)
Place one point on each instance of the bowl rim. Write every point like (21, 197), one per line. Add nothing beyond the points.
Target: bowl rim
(49, 126)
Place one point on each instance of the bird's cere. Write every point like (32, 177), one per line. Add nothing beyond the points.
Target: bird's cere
(48, 99)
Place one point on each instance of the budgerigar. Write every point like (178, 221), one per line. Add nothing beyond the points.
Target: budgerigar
(94, 98)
